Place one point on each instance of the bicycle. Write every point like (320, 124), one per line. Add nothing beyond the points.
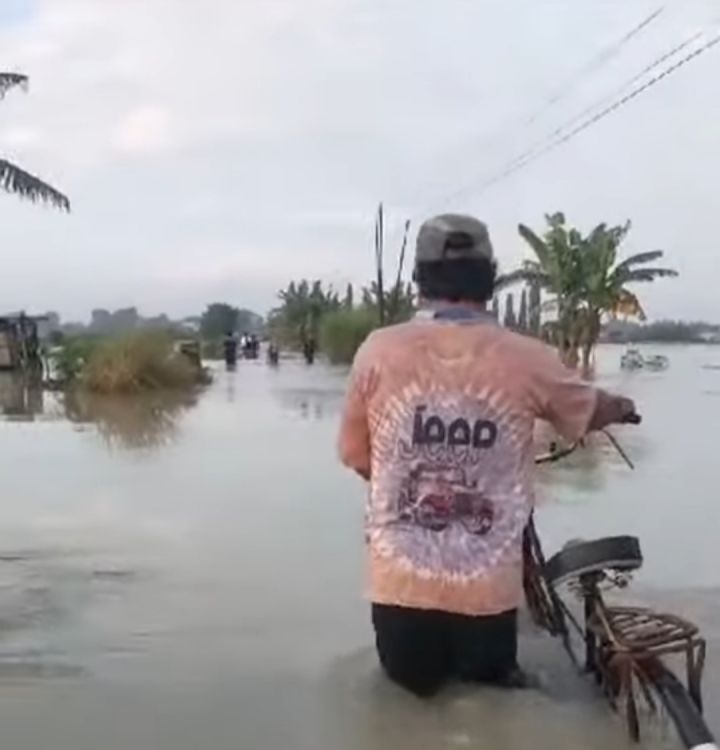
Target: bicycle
(624, 647)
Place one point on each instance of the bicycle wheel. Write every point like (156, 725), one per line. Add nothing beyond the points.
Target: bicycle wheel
(620, 553)
(688, 721)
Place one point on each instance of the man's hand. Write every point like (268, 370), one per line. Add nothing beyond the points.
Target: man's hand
(612, 409)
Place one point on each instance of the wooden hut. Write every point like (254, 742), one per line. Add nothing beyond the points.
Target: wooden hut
(19, 342)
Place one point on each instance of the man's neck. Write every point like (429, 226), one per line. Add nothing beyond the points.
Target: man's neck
(436, 304)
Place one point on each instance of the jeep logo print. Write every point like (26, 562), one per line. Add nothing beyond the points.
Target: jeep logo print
(434, 431)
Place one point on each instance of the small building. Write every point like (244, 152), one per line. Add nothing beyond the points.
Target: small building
(19, 342)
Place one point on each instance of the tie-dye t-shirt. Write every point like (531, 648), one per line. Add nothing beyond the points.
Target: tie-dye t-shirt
(440, 417)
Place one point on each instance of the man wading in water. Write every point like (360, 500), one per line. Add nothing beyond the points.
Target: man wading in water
(439, 419)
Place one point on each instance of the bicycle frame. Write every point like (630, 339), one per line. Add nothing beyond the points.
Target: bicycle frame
(623, 647)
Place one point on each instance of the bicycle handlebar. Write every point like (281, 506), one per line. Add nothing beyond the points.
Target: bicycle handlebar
(555, 455)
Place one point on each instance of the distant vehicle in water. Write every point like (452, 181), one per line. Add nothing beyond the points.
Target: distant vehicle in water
(632, 359)
(250, 346)
(657, 362)
(191, 350)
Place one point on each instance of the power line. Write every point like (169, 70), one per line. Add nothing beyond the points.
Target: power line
(594, 106)
(534, 154)
(595, 63)
(604, 56)
(608, 110)
(610, 97)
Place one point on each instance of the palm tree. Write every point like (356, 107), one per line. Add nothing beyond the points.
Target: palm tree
(15, 180)
(522, 322)
(399, 301)
(534, 312)
(509, 321)
(585, 280)
(303, 306)
(556, 270)
(606, 282)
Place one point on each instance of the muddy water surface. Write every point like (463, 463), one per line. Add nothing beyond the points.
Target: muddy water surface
(186, 573)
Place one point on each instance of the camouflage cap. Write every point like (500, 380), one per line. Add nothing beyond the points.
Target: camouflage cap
(452, 237)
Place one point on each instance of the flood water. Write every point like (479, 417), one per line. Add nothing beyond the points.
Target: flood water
(187, 573)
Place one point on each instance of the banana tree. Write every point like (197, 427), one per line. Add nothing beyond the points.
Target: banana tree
(15, 180)
(585, 281)
(304, 304)
(556, 270)
(606, 281)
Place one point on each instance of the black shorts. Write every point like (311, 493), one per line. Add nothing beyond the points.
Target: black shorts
(422, 649)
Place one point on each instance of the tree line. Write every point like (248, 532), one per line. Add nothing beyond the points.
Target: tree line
(574, 285)
(579, 280)
(662, 331)
(339, 323)
(528, 318)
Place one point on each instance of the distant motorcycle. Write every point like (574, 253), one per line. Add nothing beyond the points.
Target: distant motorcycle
(250, 347)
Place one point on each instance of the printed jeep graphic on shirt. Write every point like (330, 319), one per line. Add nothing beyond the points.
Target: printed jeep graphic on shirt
(435, 496)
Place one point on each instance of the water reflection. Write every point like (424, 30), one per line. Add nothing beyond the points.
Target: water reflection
(310, 403)
(174, 581)
(21, 397)
(131, 422)
(591, 466)
(144, 421)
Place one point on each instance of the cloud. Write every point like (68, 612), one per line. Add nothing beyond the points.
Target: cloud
(20, 138)
(219, 146)
(145, 129)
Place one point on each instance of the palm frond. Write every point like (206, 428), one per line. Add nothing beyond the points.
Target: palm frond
(634, 260)
(11, 80)
(536, 243)
(521, 275)
(597, 233)
(646, 274)
(22, 183)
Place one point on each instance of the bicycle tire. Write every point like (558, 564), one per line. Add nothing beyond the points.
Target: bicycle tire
(689, 722)
(619, 553)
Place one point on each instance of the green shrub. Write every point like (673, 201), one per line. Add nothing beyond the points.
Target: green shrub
(69, 359)
(343, 332)
(137, 362)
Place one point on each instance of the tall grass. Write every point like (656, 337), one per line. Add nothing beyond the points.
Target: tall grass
(342, 332)
(135, 363)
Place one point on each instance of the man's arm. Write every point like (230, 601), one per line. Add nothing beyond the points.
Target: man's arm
(610, 409)
(573, 406)
(354, 438)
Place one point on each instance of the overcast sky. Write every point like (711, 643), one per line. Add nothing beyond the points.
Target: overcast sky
(216, 149)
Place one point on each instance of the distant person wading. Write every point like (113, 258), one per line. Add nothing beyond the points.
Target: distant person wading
(439, 418)
(230, 349)
(309, 349)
